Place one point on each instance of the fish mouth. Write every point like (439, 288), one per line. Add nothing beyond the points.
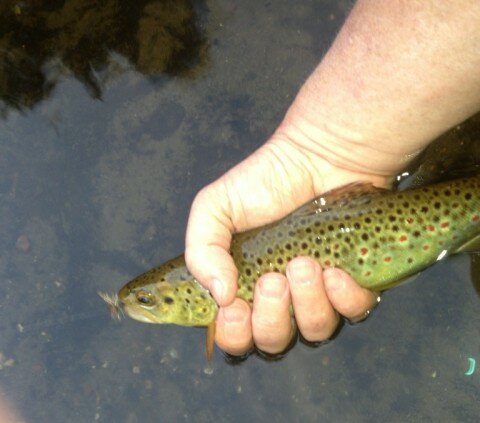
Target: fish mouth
(133, 313)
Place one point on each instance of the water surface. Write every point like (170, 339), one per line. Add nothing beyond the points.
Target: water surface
(112, 117)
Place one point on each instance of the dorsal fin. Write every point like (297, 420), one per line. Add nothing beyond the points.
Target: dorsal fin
(350, 195)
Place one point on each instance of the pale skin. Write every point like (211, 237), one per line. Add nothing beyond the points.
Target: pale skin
(399, 74)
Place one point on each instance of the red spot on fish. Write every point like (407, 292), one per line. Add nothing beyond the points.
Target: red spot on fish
(328, 263)
(410, 219)
(387, 259)
(426, 247)
(363, 251)
(403, 238)
(475, 218)
(445, 224)
(430, 228)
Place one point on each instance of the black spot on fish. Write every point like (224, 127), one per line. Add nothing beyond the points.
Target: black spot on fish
(168, 300)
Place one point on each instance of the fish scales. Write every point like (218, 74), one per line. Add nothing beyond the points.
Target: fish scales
(378, 241)
(378, 236)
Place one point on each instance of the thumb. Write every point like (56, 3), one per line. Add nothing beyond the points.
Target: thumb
(209, 233)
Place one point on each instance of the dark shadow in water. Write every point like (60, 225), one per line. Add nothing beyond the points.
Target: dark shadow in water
(455, 154)
(41, 41)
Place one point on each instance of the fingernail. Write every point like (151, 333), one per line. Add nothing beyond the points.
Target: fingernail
(217, 289)
(272, 287)
(334, 279)
(302, 272)
(233, 313)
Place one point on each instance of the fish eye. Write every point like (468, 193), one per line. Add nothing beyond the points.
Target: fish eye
(145, 298)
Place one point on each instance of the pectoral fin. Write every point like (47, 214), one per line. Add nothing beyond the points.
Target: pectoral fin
(210, 341)
(471, 246)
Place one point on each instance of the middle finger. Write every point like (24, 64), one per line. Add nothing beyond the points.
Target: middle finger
(272, 324)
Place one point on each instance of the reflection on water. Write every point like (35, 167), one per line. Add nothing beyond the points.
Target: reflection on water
(41, 42)
(93, 192)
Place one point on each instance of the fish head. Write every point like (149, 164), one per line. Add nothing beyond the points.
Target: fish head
(180, 302)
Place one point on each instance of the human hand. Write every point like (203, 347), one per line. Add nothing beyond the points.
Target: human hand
(385, 88)
(278, 178)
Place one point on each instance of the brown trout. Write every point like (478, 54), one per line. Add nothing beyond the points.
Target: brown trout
(378, 236)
